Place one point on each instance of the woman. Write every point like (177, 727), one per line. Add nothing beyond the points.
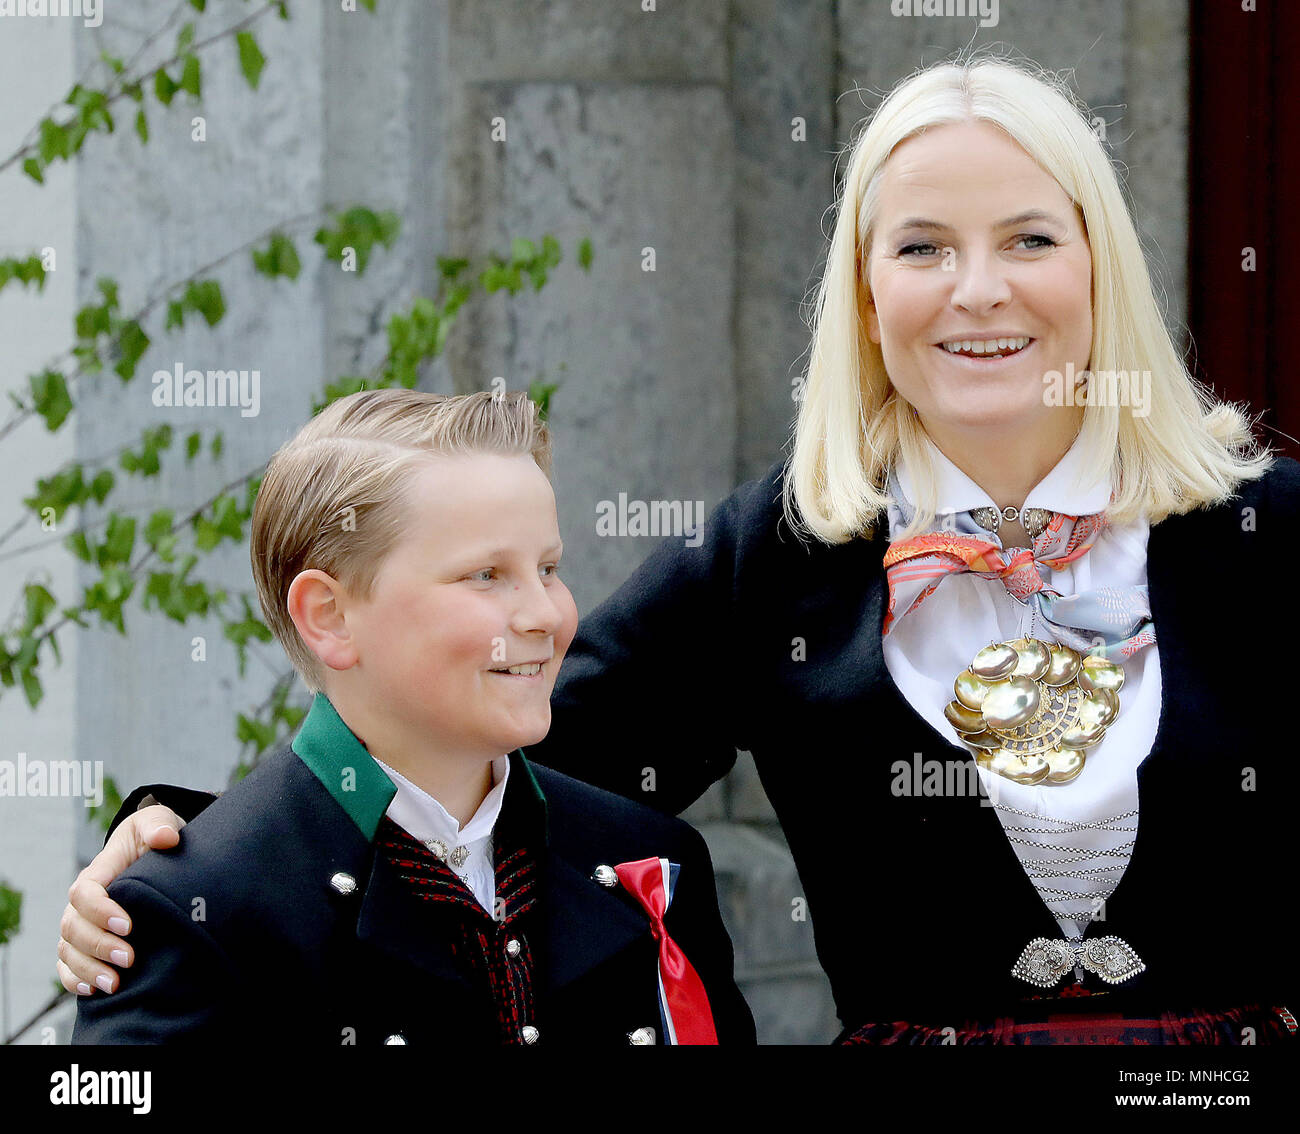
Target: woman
(1086, 859)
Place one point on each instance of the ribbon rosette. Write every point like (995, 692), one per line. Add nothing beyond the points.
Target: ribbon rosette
(683, 1004)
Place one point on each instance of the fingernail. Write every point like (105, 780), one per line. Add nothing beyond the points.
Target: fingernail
(118, 957)
(118, 925)
(104, 983)
(83, 988)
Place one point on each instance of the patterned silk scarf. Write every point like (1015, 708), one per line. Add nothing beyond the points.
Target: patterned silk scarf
(1113, 622)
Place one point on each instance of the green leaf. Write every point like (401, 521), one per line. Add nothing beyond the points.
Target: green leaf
(177, 598)
(206, 535)
(39, 604)
(146, 462)
(440, 339)
(249, 731)
(119, 540)
(204, 296)
(159, 536)
(53, 141)
(251, 59)
(50, 398)
(192, 444)
(175, 315)
(116, 64)
(185, 38)
(102, 814)
(142, 125)
(32, 168)
(92, 113)
(58, 492)
(92, 321)
(31, 687)
(190, 75)
(102, 485)
(218, 444)
(240, 633)
(108, 289)
(341, 389)
(584, 253)
(456, 298)
(359, 228)
(522, 250)
(199, 5)
(131, 344)
(11, 909)
(369, 4)
(227, 517)
(541, 393)
(77, 544)
(280, 258)
(163, 88)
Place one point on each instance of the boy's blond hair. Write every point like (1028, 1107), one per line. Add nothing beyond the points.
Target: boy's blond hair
(334, 498)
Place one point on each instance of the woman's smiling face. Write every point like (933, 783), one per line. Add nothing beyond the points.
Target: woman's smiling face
(973, 241)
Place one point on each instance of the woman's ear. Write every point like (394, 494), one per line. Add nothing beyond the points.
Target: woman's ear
(869, 314)
(866, 304)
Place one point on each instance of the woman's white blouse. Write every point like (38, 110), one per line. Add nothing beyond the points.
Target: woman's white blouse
(1074, 868)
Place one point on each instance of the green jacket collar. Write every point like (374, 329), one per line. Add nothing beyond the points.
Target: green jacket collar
(360, 786)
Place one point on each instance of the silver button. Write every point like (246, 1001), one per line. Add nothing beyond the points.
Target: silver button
(641, 1037)
(513, 947)
(343, 883)
(398, 1039)
(606, 876)
(529, 1033)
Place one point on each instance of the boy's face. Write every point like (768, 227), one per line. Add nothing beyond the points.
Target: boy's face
(469, 590)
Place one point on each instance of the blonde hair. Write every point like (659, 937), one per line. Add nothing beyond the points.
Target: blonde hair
(334, 498)
(851, 426)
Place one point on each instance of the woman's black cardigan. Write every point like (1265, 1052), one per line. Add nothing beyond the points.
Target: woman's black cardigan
(757, 641)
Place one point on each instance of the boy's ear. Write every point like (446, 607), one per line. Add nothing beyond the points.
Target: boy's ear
(315, 602)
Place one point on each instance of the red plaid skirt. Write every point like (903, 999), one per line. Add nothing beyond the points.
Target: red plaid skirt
(1055, 1021)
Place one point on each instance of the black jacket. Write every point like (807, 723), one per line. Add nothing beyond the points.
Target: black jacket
(920, 905)
(281, 950)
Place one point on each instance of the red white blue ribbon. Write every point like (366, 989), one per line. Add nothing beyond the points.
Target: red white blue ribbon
(684, 1008)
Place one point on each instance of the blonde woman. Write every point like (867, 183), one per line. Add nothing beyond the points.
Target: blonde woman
(993, 634)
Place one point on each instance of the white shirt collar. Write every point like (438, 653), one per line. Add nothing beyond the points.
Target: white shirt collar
(1057, 491)
(415, 810)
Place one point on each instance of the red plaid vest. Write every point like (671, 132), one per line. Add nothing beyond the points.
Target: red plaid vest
(495, 951)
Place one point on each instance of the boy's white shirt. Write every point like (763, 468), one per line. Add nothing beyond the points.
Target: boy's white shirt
(416, 811)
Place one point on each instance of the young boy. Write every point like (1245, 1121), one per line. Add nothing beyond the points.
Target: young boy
(402, 873)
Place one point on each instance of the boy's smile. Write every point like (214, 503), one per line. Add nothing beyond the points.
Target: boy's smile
(452, 659)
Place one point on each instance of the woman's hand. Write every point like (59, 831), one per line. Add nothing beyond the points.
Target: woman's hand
(92, 919)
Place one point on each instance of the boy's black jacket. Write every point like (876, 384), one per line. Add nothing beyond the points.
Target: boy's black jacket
(283, 956)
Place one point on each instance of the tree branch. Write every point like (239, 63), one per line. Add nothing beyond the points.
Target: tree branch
(29, 145)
